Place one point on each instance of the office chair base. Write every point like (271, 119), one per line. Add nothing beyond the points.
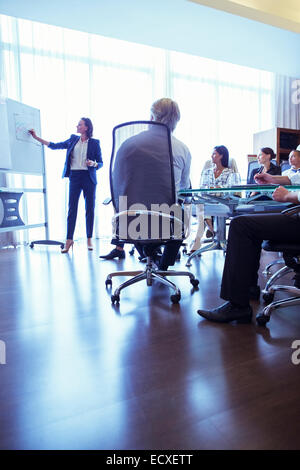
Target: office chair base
(281, 272)
(268, 297)
(215, 245)
(108, 281)
(266, 271)
(264, 317)
(150, 274)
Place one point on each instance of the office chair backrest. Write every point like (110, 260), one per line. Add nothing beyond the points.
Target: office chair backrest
(141, 169)
(251, 166)
(142, 164)
(285, 166)
(231, 164)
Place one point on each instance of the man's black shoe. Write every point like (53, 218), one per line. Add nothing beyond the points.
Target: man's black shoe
(114, 254)
(163, 267)
(254, 292)
(227, 313)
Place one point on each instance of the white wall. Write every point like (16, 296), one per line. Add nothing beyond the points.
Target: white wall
(172, 24)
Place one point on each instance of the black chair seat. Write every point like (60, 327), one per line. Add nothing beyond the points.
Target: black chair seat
(291, 248)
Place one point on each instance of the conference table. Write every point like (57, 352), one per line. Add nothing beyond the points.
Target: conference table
(228, 202)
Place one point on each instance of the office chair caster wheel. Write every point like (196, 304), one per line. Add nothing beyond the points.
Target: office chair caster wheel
(184, 251)
(195, 282)
(262, 319)
(62, 246)
(175, 298)
(268, 297)
(108, 282)
(115, 299)
(31, 245)
(131, 252)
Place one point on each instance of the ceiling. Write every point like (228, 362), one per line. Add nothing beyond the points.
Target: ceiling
(176, 25)
(280, 13)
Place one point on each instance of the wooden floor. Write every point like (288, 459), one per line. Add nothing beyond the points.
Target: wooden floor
(83, 374)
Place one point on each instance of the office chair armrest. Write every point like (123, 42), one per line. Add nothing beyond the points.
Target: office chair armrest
(107, 201)
(291, 210)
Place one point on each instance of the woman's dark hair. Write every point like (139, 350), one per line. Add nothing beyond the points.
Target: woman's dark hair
(89, 125)
(268, 151)
(222, 150)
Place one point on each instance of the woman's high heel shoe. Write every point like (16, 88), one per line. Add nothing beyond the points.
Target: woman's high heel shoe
(90, 244)
(69, 244)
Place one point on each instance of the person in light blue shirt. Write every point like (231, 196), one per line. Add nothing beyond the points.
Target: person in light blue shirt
(293, 173)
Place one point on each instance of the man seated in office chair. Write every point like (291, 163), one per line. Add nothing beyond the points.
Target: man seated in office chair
(167, 111)
(246, 234)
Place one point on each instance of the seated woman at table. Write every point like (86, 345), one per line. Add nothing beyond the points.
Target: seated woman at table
(217, 176)
(264, 157)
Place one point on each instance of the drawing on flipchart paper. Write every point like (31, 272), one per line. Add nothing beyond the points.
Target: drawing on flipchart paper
(24, 122)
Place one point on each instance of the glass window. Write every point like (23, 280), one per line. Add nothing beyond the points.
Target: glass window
(69, 74)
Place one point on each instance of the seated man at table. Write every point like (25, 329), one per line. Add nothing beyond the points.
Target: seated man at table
(290, 176)
(246, 234)
(167, 112)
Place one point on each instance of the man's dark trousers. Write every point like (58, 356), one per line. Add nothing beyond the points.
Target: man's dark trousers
(246, 234)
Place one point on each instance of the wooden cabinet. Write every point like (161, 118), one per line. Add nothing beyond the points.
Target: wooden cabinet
(281, 140)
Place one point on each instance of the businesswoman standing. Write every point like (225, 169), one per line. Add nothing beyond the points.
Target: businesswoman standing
(82, 160)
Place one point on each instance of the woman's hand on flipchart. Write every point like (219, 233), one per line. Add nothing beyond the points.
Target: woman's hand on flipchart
(42, 141)
(32, 132)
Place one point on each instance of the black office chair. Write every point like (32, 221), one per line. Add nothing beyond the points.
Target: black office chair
(251, 166)
(291, 256)
(285, 165)
(143, 191)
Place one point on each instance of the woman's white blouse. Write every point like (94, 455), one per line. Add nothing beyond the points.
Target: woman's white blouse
(78, 161)
(208, 178)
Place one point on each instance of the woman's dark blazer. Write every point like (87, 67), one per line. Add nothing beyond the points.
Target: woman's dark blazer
(273, 170)
(93, 153)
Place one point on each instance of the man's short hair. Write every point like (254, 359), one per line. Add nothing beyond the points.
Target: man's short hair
(166, 111)
(297, 152)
